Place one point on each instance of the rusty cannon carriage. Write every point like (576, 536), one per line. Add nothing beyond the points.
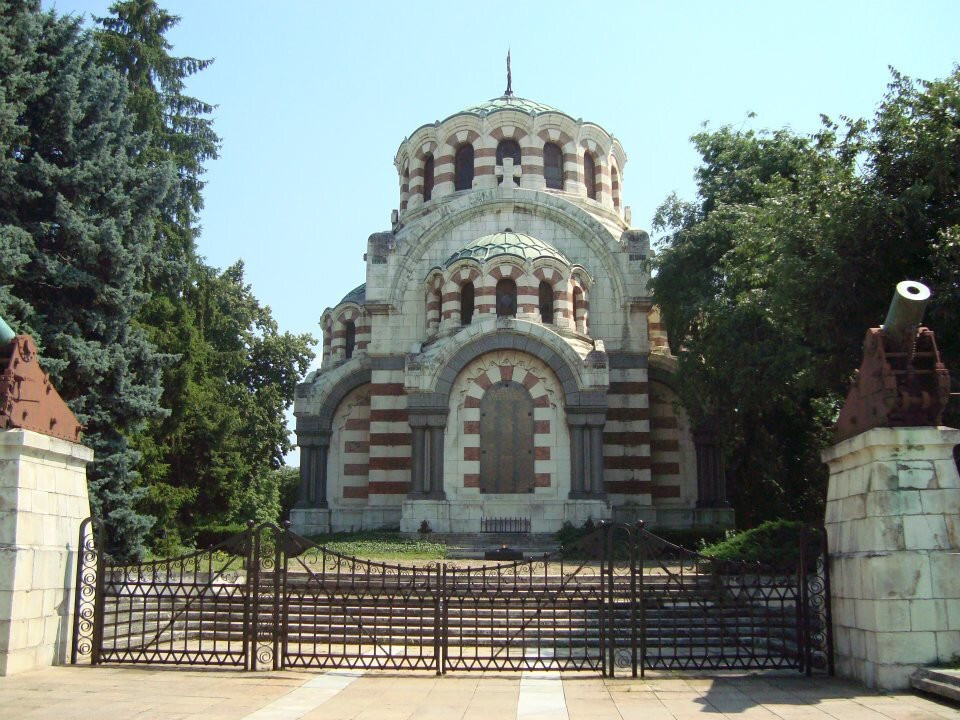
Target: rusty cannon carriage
(28, 400)
(902, 381)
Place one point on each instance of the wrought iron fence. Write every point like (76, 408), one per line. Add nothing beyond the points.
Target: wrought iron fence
(620, 598)
(505, 525)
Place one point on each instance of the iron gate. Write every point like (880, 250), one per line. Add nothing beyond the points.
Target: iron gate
(620, 597)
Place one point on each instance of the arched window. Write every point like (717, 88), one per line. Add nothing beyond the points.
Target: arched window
(578, 309)
(350, 338)
(615, 186)
(466, 303)
(506, 298)
(428, 178)
(463, 168)
(510, 149)
(553, 166)
(590, 175)
(546, 302)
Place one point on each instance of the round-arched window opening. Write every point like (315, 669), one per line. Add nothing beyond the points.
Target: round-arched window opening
(428, 178)
(506, 298)
(463, 168)
(350, 339)
(510, 149)
(466, 303)
(546, 302)
(553, 166)
(590, 175)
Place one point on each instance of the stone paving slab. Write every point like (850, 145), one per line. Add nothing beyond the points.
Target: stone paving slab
(108, 693)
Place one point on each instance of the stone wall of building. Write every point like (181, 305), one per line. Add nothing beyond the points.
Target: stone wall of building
(43, 500)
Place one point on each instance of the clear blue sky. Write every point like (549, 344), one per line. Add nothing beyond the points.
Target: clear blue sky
(315, 97)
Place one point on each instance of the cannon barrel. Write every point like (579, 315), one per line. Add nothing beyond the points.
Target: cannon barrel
(6, 334)
(906, 309)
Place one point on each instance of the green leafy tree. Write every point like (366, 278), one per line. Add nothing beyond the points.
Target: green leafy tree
(770, 277)
(77, 227)
(224, 443)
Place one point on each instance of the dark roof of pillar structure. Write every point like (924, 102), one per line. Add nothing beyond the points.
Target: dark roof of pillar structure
(358, 295)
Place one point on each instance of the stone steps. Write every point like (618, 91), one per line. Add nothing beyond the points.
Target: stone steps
(937, 681)
(473, 545)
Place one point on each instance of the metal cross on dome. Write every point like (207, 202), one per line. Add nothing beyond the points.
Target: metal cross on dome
(509, 91)
(508, 172)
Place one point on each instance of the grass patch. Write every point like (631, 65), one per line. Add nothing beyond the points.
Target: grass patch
(382, 545)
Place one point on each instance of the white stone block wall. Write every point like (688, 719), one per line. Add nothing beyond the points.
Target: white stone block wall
(43, 500)
(893, 526)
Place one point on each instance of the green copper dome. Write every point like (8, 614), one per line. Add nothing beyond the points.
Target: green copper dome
(507, 242)
(509, 102)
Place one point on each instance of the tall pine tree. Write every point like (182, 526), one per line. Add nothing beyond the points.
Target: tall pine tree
(212, 459)
(77, 230)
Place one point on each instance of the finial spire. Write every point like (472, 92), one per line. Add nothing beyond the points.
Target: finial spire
(509, 91)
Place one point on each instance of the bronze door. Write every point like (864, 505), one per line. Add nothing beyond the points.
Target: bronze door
(506, 439)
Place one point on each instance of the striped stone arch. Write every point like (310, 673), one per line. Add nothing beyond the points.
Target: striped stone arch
(322, 419)
(425, 231)
(508, 132)
(558, 279)
(600, 159)
(404, 185)
(460, 136)
(571, 173)
(463, 272)
(361, 323)
(562, 363)
(428, 147)
(485, 377)
(433, 291)
(313, 435)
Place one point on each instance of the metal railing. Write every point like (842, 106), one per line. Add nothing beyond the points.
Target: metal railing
(619, 598)
(505, 525)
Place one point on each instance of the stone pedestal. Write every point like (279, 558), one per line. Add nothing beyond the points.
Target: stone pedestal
(43, 500)
(893, 526)
(309, 521)
(435, 512)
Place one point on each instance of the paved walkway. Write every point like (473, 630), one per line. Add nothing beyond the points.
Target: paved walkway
(107, 693)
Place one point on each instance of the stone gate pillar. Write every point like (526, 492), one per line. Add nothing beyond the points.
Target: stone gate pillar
(893, 528)
(43, 500)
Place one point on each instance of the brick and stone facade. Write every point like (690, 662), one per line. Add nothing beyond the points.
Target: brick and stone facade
(507, 306)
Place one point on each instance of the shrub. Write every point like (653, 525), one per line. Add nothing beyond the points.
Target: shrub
(775, 543)
(211, 535)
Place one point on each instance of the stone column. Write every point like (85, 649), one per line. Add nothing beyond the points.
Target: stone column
(426, 501)
(893, 527)
(578, 477)
(311, 514)
(418, 457)
(43, 500)
(597, 488)
(436, 461)
(314, 447)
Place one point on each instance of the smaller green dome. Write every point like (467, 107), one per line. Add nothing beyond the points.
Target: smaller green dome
(509, 102)
(507, 242)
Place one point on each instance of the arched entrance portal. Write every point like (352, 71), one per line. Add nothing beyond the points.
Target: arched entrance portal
(506, 439)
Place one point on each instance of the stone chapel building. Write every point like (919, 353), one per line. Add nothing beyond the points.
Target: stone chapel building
(503, 358)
